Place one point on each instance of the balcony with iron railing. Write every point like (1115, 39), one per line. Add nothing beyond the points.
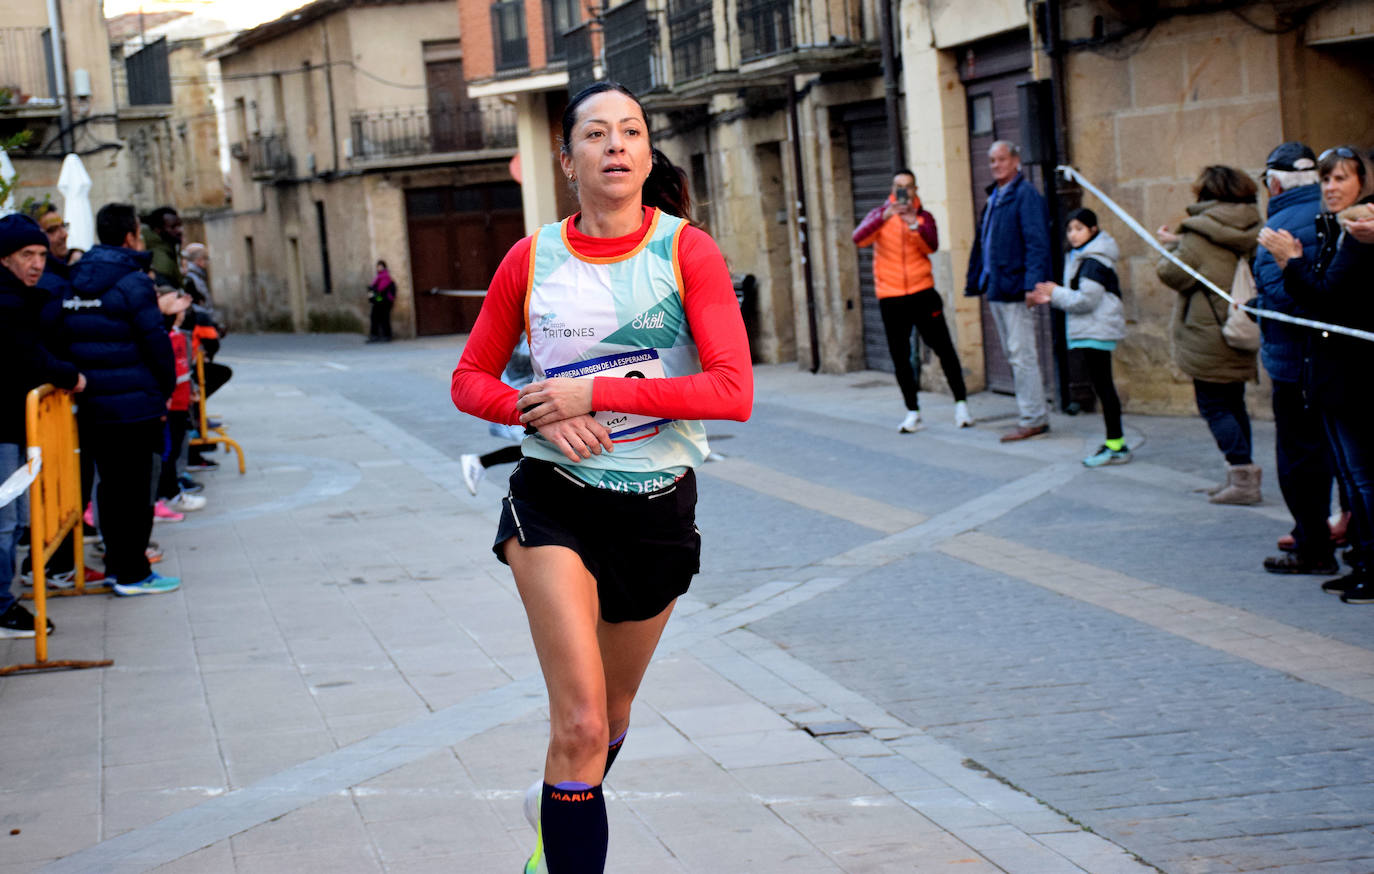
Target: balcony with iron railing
(27, 86)
(269, 158)
(773, 42)
(391, 134)
(632, 55)
(765, 29)
(692, 35)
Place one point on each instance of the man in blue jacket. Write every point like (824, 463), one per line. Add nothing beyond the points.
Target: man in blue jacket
(115, 333)
(1299, 441)
(1011, 253)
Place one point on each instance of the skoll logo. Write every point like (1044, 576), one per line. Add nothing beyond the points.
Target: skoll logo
(645, 321)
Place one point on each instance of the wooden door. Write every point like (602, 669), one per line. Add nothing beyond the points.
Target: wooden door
(458, 237)
(450, 115)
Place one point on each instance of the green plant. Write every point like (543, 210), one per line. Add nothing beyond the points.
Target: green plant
(9, 144)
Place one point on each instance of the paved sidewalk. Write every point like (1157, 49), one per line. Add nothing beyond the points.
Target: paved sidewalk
(345, 684)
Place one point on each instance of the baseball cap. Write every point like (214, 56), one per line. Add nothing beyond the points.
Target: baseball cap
(1291, 156)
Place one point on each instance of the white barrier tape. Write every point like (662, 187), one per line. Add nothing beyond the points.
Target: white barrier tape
(21, 479)
(1070, 173)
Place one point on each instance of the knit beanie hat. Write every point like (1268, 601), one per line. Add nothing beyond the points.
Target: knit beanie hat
(18, 231)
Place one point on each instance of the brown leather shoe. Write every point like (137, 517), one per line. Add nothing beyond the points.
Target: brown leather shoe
(1023, 433)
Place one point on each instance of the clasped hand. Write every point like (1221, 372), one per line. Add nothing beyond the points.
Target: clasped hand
(560, 409)
(1281, 244)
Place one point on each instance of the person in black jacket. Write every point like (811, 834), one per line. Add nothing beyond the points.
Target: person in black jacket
(24, 365)
(114, 332)
(1336, 366)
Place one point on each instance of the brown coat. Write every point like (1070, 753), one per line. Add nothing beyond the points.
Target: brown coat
(1213, 237)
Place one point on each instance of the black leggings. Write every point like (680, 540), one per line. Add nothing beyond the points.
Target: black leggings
(924, 311)
(1222, 404)
(504, 455)
(1099, 363)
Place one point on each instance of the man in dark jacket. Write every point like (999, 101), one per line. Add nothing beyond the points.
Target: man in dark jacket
(25, 364)
(1299, 440)
(1011, 253)
(115, 333)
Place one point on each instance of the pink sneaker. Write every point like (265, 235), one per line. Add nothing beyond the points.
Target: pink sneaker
(88, 517)
(164, 513)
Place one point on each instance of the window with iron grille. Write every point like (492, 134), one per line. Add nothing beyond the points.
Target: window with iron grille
(150, 80)
(631, 36)
(765, 28)
(581, 65)
(508, 34)
(560, 16)
(692, 35)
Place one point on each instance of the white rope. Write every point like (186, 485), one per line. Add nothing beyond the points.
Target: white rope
(21, 479)
(1070, 173)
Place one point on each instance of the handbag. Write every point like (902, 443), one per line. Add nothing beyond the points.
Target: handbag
(1240, 331)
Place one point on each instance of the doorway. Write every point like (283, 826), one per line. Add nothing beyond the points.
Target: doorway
(458, 237)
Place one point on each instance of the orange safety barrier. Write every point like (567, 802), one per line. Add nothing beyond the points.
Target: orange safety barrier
(54, 509)
(205, 438)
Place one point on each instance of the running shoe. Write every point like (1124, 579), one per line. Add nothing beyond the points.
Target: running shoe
(88, 517)
(1105, 456)
(189, 486)
(184, 502)
(66, 579)
(202, 463)
(153, 584)
(16, 623)
(472, 471)
(911, 424)
(536, 864)
(962, 417)
(164, 513)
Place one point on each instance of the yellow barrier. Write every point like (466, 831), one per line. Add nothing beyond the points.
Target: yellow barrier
(205, 439)
(54, 509)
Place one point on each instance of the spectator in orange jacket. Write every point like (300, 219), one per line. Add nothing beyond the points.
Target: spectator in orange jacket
(903, 235)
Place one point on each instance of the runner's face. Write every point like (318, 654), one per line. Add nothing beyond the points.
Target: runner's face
(1341, 187)
(1078, 233)
(609, 152)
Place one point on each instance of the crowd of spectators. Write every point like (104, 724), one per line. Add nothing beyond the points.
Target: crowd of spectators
(120, 326)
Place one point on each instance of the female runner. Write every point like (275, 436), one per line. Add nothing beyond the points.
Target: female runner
(635, 336)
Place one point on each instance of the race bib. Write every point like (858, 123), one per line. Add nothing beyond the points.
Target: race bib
(639, 364)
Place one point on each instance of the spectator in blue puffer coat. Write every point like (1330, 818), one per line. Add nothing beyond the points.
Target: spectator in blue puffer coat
(113, 331)
(1300, 445)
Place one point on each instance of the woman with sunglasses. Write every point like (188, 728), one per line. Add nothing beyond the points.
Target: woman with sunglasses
(635, 336)
(1334, 287)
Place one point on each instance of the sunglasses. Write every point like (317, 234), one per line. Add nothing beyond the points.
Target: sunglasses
(1339, 151)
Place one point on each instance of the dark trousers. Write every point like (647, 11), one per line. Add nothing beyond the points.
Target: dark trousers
(1352, 449)
(177, 423)
(1099, 365)
(923, 311)
(381, 320)
(1222, 404)
(504, 455)
(124, 454)
(1303, 458)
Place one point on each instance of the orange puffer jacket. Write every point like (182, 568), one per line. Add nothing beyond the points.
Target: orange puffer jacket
(901, 255)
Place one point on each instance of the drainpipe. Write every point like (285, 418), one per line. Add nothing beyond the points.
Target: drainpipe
(59, 62)
(803, 239)
(329, 92)
(890, 90)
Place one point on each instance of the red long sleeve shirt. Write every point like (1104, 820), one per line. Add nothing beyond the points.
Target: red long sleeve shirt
(723, 390)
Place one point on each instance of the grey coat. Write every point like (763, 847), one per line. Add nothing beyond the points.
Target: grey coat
(1093, 312)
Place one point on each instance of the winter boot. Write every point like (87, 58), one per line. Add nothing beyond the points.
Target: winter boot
(1244, 487)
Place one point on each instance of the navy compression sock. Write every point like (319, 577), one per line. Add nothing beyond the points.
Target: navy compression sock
(573, 820)
(612, 751)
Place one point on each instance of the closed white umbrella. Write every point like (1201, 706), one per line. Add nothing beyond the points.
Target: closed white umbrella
(7, 173)
(75, 185)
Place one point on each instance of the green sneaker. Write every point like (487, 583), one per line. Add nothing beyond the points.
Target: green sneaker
(153, 584)
(1105, 456)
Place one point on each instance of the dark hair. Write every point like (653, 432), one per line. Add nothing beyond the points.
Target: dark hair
(37, 210)
(158, 217)
(666, 188)
(1334, 157)
(381, 264)
(114, 222)
(1084, 216)
(1226, 184)
(905, 171)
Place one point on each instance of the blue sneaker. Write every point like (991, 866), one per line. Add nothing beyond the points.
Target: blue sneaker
(1105, 456)
(153, 584)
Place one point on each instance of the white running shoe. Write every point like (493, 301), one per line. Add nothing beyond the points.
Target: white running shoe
(473, 471)
(184, 502)
(536, 863)
(912, 423)
(962, 418)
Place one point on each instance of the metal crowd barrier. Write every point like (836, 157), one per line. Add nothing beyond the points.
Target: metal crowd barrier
(54, 510)
(219, 436)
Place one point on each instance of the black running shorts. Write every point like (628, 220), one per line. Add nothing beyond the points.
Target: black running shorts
(642, 550)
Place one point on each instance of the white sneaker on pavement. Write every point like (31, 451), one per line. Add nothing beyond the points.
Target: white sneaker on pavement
(962, 417)
(912, 423)
(473, 471)
(184, 502)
